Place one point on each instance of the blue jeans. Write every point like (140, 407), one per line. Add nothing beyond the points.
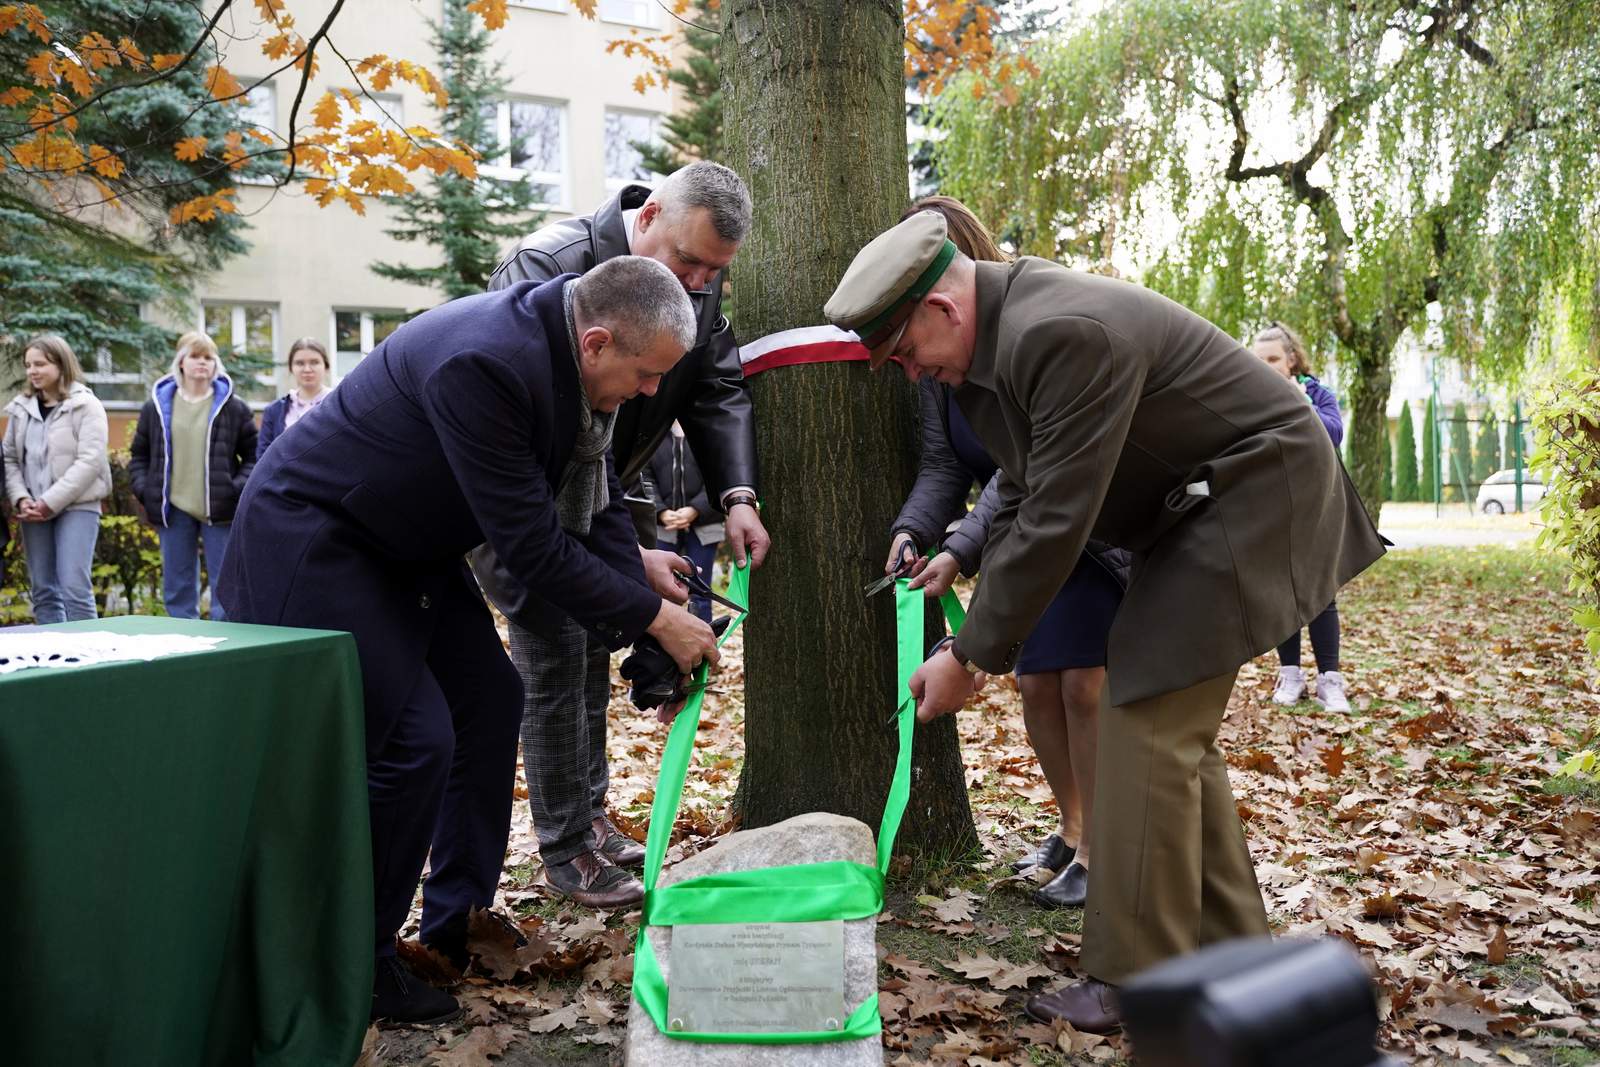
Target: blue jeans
(60, 558)
(702, 556)
(180, 563)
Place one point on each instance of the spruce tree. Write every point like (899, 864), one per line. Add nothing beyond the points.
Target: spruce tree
(1430, 454)
(694, 132)
(1486, 454)
(468, 221)
(1386, 480)
(1406, 488)
(1460, 472)
(60, 272)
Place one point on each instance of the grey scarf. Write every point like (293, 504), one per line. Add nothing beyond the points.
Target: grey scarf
(583, 493)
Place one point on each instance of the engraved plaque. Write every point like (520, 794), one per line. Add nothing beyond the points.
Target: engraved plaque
(743, 978)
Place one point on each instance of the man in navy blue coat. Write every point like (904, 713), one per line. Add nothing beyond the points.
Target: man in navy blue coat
(486, 420)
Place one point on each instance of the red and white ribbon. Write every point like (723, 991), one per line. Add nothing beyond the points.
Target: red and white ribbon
(808, 344)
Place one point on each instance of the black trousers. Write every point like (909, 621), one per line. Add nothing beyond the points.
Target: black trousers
(441, 765)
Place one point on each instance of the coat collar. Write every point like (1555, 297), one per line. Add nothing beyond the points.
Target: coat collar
(991, 281)
(610, 235)
(23, 404)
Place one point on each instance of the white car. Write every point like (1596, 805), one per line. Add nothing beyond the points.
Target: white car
(1498, 495)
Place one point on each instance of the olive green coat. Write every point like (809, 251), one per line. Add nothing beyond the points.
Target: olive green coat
(1114, 413)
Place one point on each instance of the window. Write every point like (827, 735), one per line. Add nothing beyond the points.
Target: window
(534, 136)
(632, 12)
(356, 333)
(247, 339)
(259, 111)
(542, 5)
(624, 129)
(115, 372)
(260, 108)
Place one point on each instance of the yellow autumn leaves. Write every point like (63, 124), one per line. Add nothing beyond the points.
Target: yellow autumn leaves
(346, 151)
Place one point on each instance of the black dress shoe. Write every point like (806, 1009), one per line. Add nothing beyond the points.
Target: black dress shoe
(1090, 1006)
(398, 996)
(1069, 889)
(593, 881)
(614, 845)
(1052, 854)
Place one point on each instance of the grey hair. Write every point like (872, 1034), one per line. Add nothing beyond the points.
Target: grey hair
(715, 188)
(638, 300)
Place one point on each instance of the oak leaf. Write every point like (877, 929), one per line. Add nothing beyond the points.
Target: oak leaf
(325, 112)
(475, 1050)
(493, 12)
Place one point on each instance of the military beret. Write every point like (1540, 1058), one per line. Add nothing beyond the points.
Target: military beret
(888, 278)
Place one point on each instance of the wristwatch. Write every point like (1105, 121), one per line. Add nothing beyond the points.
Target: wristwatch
(735, 499)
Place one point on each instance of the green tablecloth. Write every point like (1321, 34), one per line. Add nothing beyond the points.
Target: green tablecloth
(185, 864)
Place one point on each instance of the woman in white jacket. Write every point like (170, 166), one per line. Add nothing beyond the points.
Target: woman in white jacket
(56, 475)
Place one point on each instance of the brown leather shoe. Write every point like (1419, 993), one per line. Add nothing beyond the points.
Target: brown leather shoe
(614, 845)
(1090, 1006)
(593, 881)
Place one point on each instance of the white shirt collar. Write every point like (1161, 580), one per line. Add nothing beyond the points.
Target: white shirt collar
(628, 217)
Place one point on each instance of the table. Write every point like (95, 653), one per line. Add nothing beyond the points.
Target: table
(185, 862)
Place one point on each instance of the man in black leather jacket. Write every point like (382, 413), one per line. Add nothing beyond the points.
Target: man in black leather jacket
(693, 225)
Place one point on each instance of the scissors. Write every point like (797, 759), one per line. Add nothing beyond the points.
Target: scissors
(902, 569)
(698, 586)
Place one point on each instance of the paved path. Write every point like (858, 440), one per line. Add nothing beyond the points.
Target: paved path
(1416, 526)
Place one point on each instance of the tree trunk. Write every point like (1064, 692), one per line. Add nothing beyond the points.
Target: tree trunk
(815, 122)
(1369, 426)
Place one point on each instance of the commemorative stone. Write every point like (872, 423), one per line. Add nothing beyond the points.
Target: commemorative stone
(764, 977)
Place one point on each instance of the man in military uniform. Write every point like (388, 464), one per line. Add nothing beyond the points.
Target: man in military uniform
(1114, 413)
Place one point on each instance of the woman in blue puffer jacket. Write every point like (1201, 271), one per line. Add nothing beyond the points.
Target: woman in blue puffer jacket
(1281, 349)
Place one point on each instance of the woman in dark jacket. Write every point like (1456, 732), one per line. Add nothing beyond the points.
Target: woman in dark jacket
(309, 367)
(1281, 349)
(687, 523)
(1061, 669)
(193, 450)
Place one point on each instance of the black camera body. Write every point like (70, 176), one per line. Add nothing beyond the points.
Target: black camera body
(654, 674)
(1255, 1002)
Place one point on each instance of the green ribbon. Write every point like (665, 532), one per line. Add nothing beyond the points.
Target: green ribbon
(810, 892)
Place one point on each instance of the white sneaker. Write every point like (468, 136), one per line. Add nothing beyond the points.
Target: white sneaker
(1330, 691)
(1291, 686)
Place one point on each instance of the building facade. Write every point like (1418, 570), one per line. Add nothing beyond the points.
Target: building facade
(569, 107)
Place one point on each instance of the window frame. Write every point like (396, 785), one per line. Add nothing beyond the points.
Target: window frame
(367, 332)
(651, 22)
(613, 184)
(500, 166)
(239, 327)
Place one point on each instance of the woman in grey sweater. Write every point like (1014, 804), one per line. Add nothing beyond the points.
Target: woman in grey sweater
(57, 473)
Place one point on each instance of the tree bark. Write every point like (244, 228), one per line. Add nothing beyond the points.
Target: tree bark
(1369, 426)
(815, 123)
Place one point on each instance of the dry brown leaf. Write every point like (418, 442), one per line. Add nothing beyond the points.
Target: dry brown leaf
(481, 1044)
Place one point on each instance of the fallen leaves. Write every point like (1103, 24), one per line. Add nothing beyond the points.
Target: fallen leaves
(1001, 974)
(1413, 828)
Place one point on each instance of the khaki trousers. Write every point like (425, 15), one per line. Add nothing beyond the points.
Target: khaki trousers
(1171, 869)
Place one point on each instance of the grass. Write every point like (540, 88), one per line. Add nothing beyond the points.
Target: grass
(1567, 785)
(1521, 969)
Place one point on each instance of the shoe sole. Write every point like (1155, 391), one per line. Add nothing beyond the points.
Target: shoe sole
(383, 1021)
(589, 900)
(1049, 1020)
(1045, 902)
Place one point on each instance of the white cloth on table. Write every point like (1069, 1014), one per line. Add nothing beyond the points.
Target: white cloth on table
(82, 648)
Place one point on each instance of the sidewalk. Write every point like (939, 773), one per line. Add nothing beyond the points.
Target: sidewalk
(1455, 525)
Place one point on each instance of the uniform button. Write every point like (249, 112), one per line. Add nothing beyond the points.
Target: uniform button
(424, 602)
